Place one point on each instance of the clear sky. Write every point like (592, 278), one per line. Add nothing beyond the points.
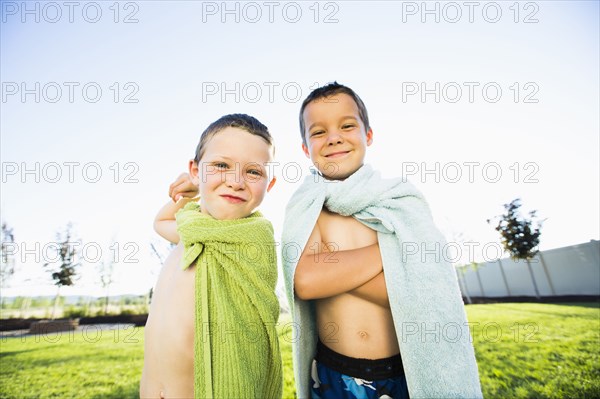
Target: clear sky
(103, 104)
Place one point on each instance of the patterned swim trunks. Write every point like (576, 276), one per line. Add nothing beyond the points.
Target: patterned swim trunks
(335, 376)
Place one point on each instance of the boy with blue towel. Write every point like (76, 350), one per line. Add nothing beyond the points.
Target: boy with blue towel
(379, 309)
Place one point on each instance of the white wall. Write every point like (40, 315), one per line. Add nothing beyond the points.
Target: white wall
(573, 270)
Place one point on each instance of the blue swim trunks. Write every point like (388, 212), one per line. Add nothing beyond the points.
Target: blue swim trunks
(335, 376)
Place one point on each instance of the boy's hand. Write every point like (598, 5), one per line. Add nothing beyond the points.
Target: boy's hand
(183, 187)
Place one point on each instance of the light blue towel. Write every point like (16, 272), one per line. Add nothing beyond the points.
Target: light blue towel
(425, 300)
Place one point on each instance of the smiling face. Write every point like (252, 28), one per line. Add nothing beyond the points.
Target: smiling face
(232, 174)
(336, 140)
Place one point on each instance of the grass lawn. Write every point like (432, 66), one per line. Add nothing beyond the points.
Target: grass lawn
(523, 350)
(527, 350)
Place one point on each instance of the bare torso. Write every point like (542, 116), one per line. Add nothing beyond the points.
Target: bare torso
(169, 333)
(348, 324)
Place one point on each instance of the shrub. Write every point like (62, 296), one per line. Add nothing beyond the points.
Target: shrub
(73, 312)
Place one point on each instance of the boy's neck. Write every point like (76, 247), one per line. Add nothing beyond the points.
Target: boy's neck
(317, 171)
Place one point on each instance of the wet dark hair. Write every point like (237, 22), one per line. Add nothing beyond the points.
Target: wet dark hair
(331, 89)
(240, 121)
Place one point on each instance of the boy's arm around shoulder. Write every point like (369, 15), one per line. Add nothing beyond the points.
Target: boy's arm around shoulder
(164, 222)
(322, 274)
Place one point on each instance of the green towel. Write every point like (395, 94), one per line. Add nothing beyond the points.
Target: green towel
(236, 351)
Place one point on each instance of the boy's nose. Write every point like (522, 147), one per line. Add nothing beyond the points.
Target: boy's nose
(334, 137)
(235, 181)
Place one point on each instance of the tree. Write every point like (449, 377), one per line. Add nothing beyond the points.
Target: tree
(106, 279)
(519, 236)
(65, 272)
(161, 252)
(7, 265)
(106, 269)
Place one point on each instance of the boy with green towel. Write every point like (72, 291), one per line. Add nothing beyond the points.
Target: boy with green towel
(211, 328)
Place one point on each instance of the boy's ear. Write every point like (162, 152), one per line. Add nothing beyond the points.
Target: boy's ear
(370, 137)
(194, 171)
(305, 149)
(271, 183)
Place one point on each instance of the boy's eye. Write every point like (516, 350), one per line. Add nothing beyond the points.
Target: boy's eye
(221, 165)
(316, 133)
(348, 126)
(255, 172)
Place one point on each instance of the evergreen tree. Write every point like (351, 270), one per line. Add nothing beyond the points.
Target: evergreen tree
(519, 236)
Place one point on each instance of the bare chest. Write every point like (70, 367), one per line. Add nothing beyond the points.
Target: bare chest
(173, 299)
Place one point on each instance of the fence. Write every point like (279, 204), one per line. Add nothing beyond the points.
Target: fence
(573, 270)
